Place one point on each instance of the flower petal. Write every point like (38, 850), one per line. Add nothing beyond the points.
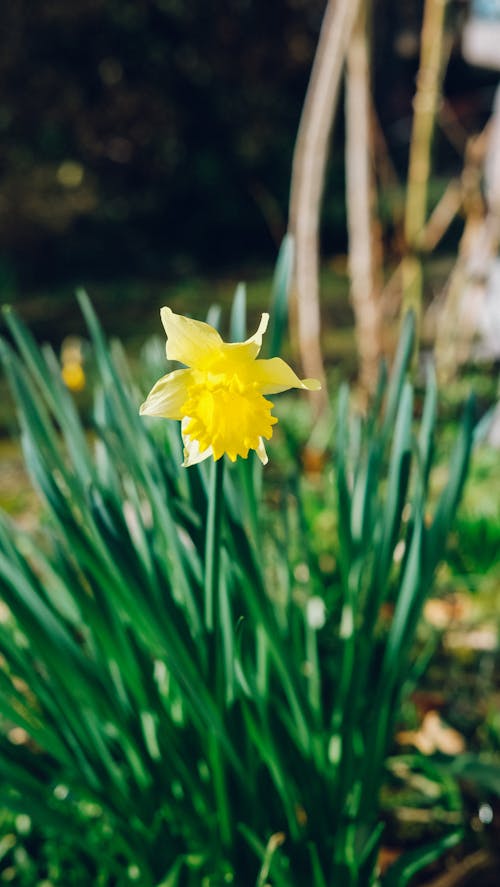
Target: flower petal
(256, 339)
(192, 453)
(189, 341)
(261, 452)
(249, 349)
(274, 375)
(261, 329)
(168, 395)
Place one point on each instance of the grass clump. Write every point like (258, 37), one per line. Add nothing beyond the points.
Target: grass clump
(149, 748)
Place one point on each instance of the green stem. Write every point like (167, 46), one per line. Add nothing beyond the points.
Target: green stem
(213, 543)
(213, 622)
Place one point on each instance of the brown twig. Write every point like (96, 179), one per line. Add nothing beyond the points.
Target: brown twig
(425, 107)
(308, 176)
(363, 266)
(442, 216)
(476, 864)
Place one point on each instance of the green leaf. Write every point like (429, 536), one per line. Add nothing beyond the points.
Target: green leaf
(435, 536)
(427, 424)
(238, 320)
(397, 378)
(411, 863)
(278, 308)
(399, 472)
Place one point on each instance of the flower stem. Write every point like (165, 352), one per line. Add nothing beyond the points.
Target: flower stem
(213, 543)
(213, 621)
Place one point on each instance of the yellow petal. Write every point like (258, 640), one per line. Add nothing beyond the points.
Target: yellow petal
(257, 336)
(189, 341)
(249, 349)
(192, 453)
(168, 395)
(274, 375)
(253, 345)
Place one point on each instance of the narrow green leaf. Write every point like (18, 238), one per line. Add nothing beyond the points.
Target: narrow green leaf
(399, 472)
(435, 536)
(427, 424)
(238, 319)
(411, 863)
(278, 308)
(397, 377)
(317, 871)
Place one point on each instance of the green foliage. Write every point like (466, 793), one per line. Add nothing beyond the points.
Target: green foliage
(474, 553)
(186, 699)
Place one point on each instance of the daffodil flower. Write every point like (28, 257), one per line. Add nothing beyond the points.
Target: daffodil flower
(219, 397)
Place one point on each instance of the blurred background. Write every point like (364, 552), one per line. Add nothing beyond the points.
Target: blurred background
(146, 147)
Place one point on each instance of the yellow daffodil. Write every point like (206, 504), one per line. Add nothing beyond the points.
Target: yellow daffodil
(73, 376)
(219, 397)
(72, 371)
